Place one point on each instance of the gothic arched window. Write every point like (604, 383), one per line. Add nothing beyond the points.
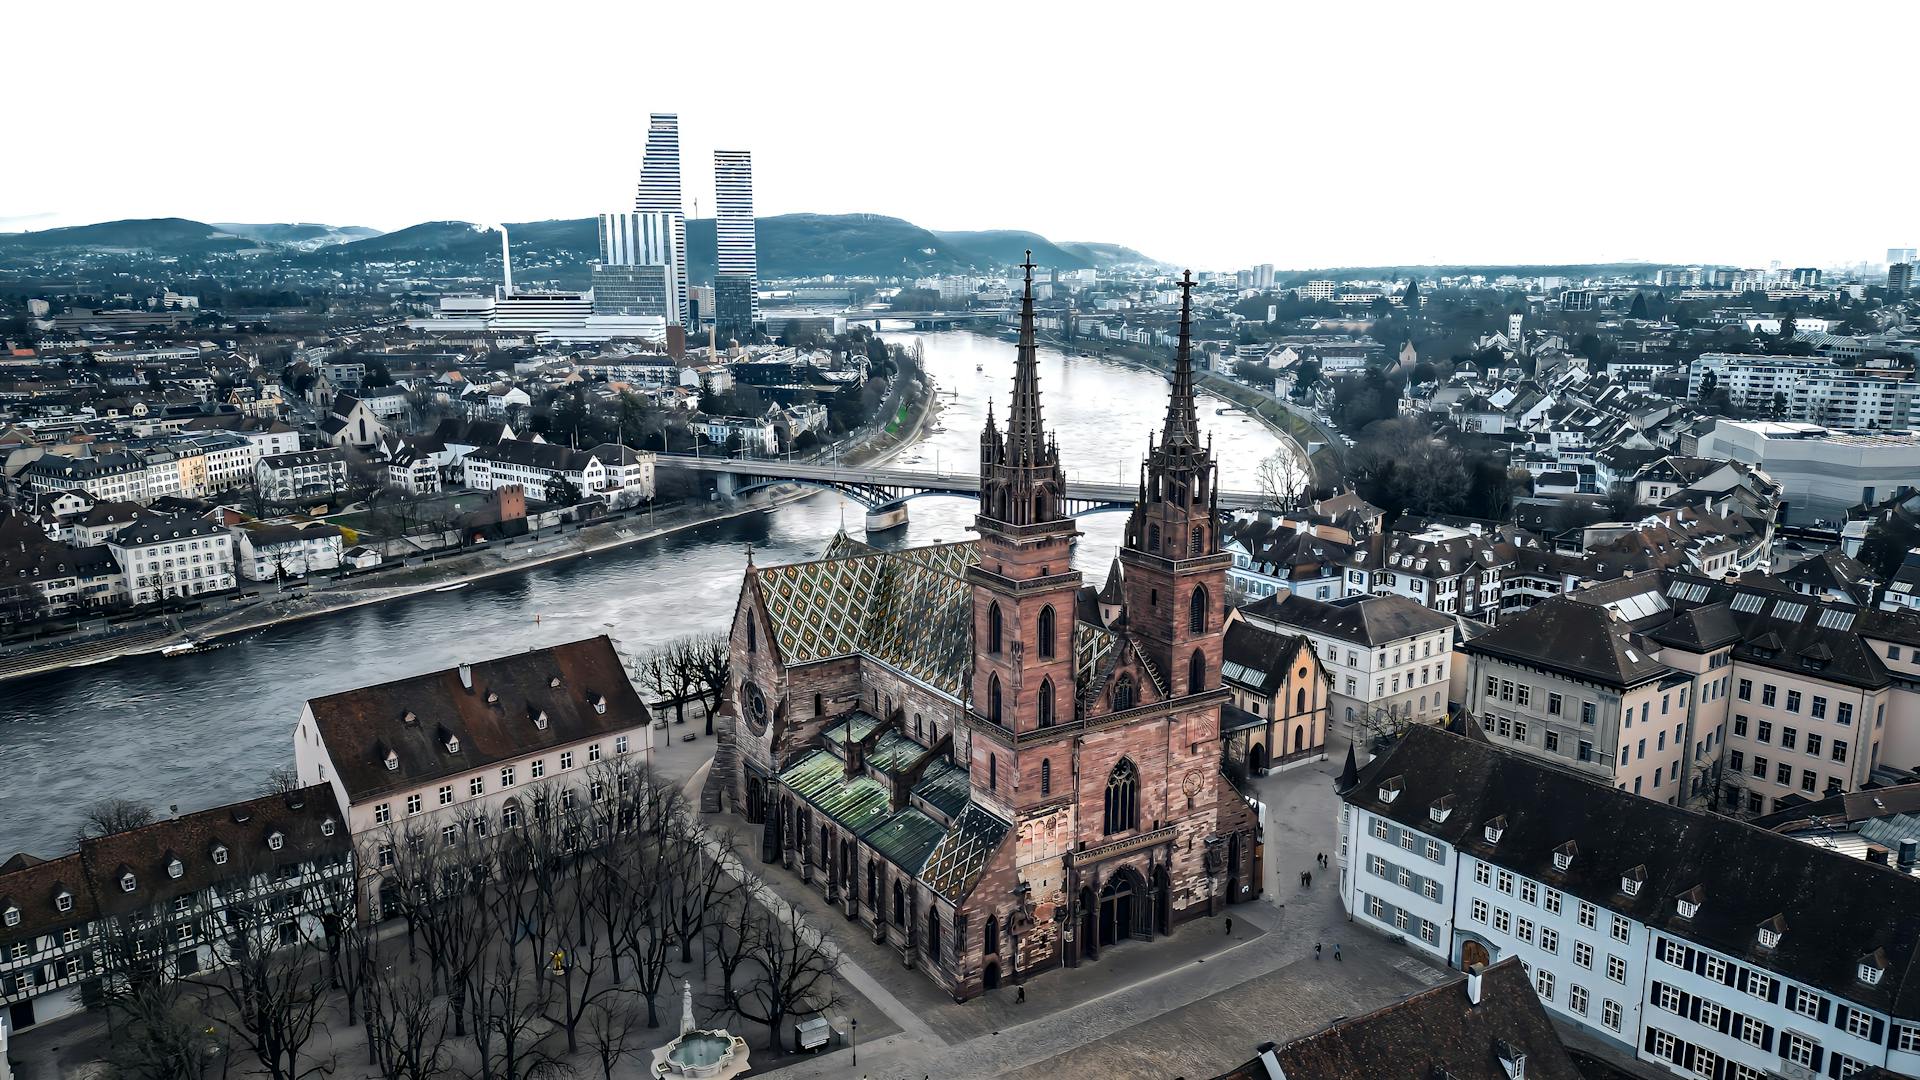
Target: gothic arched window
(993, 628)
(993, 772)
(1046, 777)
(1153, 538)
(992, 943)
(1123, 693)
(1039, 506)
(1123, 798)
(993, 698)
(933, 933)
(1197, 613)
(1195, 543)
(1045, 644)
(916, 725)
(1046, 703)
(753, 636)
(1197, 672)
(1300, 700)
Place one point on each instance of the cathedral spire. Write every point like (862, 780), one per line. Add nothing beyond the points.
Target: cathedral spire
(1026, 437)
(1182, 429)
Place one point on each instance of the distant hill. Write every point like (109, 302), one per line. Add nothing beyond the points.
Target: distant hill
(1106, 256)
(1290, 278)
(1007, 247)
(162, 236)
(790, 245)
(298, 234)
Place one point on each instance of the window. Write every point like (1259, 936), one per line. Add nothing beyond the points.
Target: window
(1523, 929)
(1577, 999)
(1046, 702)
(993, 772)
(1622, 929)
(1434, 851)
(1819, 708)
(1376, 908)
(1714, 968)
(1760, 986)
(1046, 633)
(1804, 1003)
(993, 628)
(1553, 703)
(1667, 997)
(1478, 911)
(1380, 829)
(506, 775)
(1843, 713)
(1552, 901)
(1752, 1031)
(1543, 983)
(1839, 752)
(1122, 798)
(1586, 712)
(1610, 1014)
(385, 855)
(1046, 777)
(566, 760)
(1550, 939)
(1553, 741)
(382, 813)
(1793, 701)
(476, 787)
(1765, 731)
(1768, 695)
(1740, 725)
(446, 794)
(1789, 738)
(1197, 672)
(1530, 892)
(1813, 743)
(1797, 1049)
(593, 752)
(1616, 969)
(538, 768)
(1505, 882)
(1907, 1039)
(1589, 915)
(1482, 874)
(1858, 1024)
(1502, 920)
(1197, 611)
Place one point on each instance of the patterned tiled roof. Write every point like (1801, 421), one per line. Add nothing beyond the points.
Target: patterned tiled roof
(910, 608)
(961, 856)
(1091, 646)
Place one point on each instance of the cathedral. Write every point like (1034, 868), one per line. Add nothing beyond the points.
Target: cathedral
(988, 764)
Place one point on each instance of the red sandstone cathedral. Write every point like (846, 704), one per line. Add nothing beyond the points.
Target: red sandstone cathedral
(990, 765)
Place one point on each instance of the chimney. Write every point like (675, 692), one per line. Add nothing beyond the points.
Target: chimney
(1877, 854)
(1908, 846)
(1473, 983)
(466, 676)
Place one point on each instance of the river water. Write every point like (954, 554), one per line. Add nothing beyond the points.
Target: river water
(200, 730)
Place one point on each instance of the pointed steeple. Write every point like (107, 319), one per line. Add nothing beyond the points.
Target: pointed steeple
(1026, 437)
(1182, 430)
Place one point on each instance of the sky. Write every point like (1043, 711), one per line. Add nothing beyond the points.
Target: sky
(1215, 135)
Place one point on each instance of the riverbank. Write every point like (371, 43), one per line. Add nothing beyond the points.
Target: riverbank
(474, 565)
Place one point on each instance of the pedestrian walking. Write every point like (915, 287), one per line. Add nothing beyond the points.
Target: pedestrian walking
(1309, 879)
(1020, 996)
(1316, 950)
(1229, 926)
(1336, 950)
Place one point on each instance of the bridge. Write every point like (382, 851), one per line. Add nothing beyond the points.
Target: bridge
(886, 491)
(921, 320)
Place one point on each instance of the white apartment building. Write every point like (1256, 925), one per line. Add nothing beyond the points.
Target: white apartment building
(1752, 381)
(268, 552)
(168, 557)
(302, 474)
(425, 754)
(1685, 940)
(1390, 659)
(616, 473)
(230, 458)
(1821, 472)
(119, 477)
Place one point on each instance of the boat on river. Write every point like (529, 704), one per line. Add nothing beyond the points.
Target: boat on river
(455, 587)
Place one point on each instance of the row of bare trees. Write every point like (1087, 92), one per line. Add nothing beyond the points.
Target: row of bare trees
(546, 936)
(689, 668)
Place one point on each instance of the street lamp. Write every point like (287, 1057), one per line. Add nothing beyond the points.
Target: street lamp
(856, 1040)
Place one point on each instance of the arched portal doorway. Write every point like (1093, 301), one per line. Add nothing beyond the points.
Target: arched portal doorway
(1089, 922)
(1473, 952)
(990, 978)
(1257, 759)
(1162, 900)
(1117, 908)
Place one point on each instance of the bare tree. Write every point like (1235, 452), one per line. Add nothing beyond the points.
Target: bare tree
(109, 816)
(733, 938)
(266, 976)
(1281, 478)
(712, 661)
(793, 973)
(407, 1023)
(281, 780)
(613, 1031)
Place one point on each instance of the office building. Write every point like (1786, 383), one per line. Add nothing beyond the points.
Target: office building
(736, 271)
(1701, 946)
(633, 290)
(660, 193)
(636, 239)
(1821, 472)
(1902, 255)
(1900, 278)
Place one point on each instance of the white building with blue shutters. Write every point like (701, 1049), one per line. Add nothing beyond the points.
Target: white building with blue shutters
(1691, 941)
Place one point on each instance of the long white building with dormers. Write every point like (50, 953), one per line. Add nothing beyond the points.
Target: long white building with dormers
(1689, 941)
(420, 756)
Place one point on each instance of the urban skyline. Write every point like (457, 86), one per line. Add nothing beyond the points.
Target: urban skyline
(1355, 185)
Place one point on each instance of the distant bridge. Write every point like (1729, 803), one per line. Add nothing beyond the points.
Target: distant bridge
(921, 320)
(885, 492)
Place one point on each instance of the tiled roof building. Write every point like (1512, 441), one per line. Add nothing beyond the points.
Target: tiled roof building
(972, 752)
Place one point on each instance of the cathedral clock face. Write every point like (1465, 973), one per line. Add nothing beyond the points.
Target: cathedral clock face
(1191, 784)
(756, 709)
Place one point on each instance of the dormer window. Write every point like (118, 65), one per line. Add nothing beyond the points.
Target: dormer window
(453, 744)
(1632, 880)
(219, 854)
(493, 697)
(127, 882)
(1441, 809)
(600, 703)
(393, 761)
(1771, 931)
(176, 869)
(1563, 855)
(1496, 829)
(11, 916)
(276, 840)
(326, 827)
(409, 717)
(1873, 967)
(540, 720)
(1390, 789)
(63, 901)
(553, 683)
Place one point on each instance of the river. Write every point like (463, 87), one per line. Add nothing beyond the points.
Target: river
(200, 730)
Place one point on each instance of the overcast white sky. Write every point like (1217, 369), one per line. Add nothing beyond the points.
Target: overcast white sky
(1216, 135)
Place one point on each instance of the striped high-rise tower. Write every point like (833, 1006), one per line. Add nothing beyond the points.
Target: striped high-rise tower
(736, 281)
(660, 193)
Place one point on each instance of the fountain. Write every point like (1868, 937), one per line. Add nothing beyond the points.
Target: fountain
(708, 1055)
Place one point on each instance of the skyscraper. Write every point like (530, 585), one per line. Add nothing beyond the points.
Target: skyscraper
(660, 193)
(736, 294)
